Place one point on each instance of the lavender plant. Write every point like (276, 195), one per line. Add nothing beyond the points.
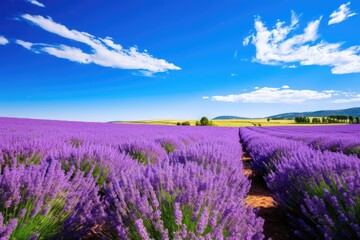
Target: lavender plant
(175, 201)
(39, 200)
(319, 189)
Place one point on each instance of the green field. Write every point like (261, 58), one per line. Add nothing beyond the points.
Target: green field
(225, 123)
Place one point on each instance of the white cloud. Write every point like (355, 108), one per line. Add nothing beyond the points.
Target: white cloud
(205, 97)
(355, 98)
(26, 45)
(348, 97)
(278, 47)
(109, 42)
(246, 40)
(104, 51)
(275, 95)
(285, 87)
(233, 74)
(3, 40)
(289, 66)
(256, 88)
(39, 4)
(70, 53)
(341, 14)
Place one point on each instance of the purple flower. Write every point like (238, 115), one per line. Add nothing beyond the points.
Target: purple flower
(141, 229)
(177, 213)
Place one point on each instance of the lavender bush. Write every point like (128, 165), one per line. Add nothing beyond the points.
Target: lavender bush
(319, 189)
(342, 138)
(38, 200)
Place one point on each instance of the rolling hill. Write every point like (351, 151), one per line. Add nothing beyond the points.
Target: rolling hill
(228, 117)
(323, 113)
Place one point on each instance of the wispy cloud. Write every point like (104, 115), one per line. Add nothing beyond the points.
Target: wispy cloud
(247, 40)
(289, 66)
(278, 47)
(205, 97)
(104, 51)
(341, 14)
(26, 45)
(348, 98)
(3, 40)
(39, 4)
(275, 95)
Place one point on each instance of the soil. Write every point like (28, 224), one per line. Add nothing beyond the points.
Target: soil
(276, 225)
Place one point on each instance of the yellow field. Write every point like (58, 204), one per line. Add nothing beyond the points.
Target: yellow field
(226, 123)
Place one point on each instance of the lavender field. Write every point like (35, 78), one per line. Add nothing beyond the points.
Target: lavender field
(73, 180)
(313, 176)
(69, 180)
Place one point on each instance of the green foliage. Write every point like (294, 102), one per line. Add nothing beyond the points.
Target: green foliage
(86, 165)
(76, 142)
(351, 119)
(186, 123)
(46, 225)
(335, 212)
(167, 209)
(138, 155)
(169, 147)
(204, 121)
(98, 172)
(326, 120)
(21, 158)
(353, 150)
(316, 120)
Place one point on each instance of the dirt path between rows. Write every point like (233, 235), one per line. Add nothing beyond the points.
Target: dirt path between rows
(276, 225)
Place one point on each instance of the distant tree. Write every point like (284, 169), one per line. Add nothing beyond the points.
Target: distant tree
(178, 123)
(268, 119)
(204, 121)
(197, 123)
(302, 120)
(351, 119)
(316, 120)
(185, 123)
(357, 120)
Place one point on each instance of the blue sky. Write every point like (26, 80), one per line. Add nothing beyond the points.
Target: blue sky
(115, 60)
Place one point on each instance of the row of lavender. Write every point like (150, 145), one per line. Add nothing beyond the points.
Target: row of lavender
(320, 190)
(341, 138)
(68, 180)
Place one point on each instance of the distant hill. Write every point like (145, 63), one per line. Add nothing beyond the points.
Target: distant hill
(323, 113)
(228, 117)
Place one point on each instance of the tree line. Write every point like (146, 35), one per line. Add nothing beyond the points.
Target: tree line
(204, 121)
(329, 119)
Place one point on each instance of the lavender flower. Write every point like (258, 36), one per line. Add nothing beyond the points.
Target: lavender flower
(141, 229)
(177, 213)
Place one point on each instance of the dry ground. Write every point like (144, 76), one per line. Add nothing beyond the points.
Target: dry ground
(276, 225)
